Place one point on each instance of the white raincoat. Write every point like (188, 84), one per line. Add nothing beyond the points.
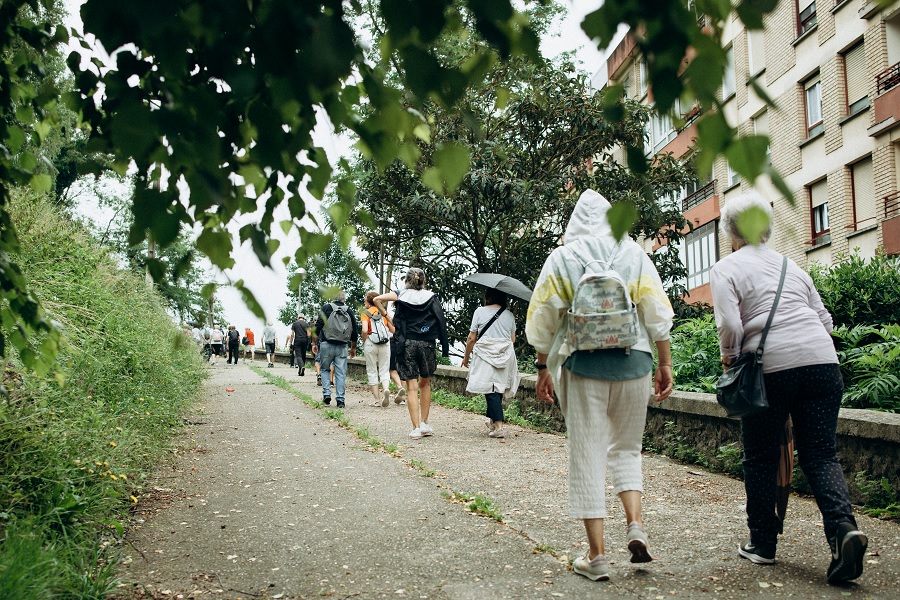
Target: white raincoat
(588, 237)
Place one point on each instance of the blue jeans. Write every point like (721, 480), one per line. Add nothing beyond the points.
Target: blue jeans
(333, 354)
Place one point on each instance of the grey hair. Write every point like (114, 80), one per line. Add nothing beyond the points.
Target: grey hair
(415, 279)
(340, 296)
(735, 207)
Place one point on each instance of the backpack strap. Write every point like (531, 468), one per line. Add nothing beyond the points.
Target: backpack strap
(489, 323)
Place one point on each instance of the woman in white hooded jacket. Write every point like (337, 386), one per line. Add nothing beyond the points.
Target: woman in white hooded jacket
(494, 371)
(603, 394)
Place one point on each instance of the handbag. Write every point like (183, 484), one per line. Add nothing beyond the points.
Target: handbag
(741, 389)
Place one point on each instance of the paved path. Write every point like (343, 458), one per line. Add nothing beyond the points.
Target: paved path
(270, 498)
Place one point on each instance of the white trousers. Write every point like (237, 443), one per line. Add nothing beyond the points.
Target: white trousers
(378, 362)
(605, 421)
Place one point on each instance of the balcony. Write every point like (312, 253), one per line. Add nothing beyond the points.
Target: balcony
(890, 227)
(702, 206)
(887, 101)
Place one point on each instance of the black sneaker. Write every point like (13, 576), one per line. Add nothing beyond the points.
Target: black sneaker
(319, 380)
(848, 548)
(340, 405)
(326, 400)
(760, 554)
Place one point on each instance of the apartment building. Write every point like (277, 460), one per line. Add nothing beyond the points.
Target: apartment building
(833, 70)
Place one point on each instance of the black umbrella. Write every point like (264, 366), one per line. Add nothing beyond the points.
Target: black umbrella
(503, 283)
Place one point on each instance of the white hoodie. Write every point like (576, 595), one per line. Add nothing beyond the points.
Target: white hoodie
(589, 237)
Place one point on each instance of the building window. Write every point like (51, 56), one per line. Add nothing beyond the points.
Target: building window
(818, 199)
(728, 83)
(855, 77)
(813, 97)
(626, 86)
(864, 208)
(661, 131)
(732, 177)
(756, 50)
(698, 252)
(642, 77)
(806, 16)
(761, 127)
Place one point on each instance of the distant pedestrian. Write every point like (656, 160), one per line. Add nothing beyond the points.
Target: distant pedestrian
(494, 371)
(289, 346)
(418, 321)
(300, 330)
(234, 341)
(802, 379)
(336, 330)
(603, 393)
(197, 336)
(218, 339)
(249, 345)
(270, 341)
(376, 350)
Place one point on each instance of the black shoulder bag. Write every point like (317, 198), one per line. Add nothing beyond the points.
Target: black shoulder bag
(741, 389)
(489, 323)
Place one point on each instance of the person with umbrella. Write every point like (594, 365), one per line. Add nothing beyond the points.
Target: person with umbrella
(603, 393)
(494, 371)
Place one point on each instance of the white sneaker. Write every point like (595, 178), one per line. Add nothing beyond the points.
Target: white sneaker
(496, 433)
(425, 428)
(385, 398)
(595, 570)
(415, 433)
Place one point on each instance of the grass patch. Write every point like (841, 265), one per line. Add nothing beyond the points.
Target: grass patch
(475, 503)
(419, 466)
(514, 413)
(547, 549)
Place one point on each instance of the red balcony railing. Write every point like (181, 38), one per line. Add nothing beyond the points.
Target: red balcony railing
(698, 197)
(892, 205)
(888, 79)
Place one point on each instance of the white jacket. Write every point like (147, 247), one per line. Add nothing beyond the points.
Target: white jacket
(493, 368)
(588, 237)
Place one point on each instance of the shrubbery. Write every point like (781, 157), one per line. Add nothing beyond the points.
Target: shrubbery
(74, 449)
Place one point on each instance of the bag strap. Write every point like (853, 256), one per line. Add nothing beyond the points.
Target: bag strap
(608, 263)
(489, 323)
(765, 332)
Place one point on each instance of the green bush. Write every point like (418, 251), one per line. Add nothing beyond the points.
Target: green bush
(870, 364)
(859, 292)
(695, 355)
(76, 448)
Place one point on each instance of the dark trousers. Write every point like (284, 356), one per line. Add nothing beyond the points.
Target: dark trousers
(291, 355)
(494, 406)
(300, 348)
(232, 352)
(812, 397)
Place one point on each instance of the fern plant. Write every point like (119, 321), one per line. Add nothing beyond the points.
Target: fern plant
(870, 363)
(695, 355)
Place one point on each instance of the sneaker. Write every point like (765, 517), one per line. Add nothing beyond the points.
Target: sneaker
(319, 380)
(490, 425)
(415, 433)
(595, 570)
(848, 548)
(425, 428)
(400, 396)
(760, 554)
(496, 433)
(326, 400)
(385, 398)
(637, 543)
(302, 371)
(340, 405)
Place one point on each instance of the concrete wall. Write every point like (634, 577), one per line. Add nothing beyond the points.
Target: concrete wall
(867, 440)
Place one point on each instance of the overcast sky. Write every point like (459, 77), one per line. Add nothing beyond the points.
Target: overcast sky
(269, 285)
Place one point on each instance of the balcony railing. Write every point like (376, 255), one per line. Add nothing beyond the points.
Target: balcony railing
(888, 79)
(892, 205)
(698, 197)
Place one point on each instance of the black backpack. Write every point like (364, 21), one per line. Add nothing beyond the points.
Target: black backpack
(233, 336)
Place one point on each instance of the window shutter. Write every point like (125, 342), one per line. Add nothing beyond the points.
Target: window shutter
(819, 193)
(864, 193)
(855, 70)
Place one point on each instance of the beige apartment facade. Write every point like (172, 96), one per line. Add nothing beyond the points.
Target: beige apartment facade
(833, 70)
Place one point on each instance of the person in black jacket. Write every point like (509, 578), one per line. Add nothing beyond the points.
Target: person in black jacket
(300, 329)
(234, 340)
(419, 321)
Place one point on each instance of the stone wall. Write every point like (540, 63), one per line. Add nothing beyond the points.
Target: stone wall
(867, 440)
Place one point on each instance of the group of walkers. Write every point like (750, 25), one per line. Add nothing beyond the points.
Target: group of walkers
(603, 393)
(214, 342)
(604, 390)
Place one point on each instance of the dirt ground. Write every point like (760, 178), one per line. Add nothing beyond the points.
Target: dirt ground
(270, 498)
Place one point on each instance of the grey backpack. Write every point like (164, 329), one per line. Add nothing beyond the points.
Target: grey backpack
(339, 324)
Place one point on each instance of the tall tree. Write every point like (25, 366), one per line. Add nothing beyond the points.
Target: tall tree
(319, 280)
(537, 136)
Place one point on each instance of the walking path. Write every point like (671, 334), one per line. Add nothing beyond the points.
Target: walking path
(270, 498)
